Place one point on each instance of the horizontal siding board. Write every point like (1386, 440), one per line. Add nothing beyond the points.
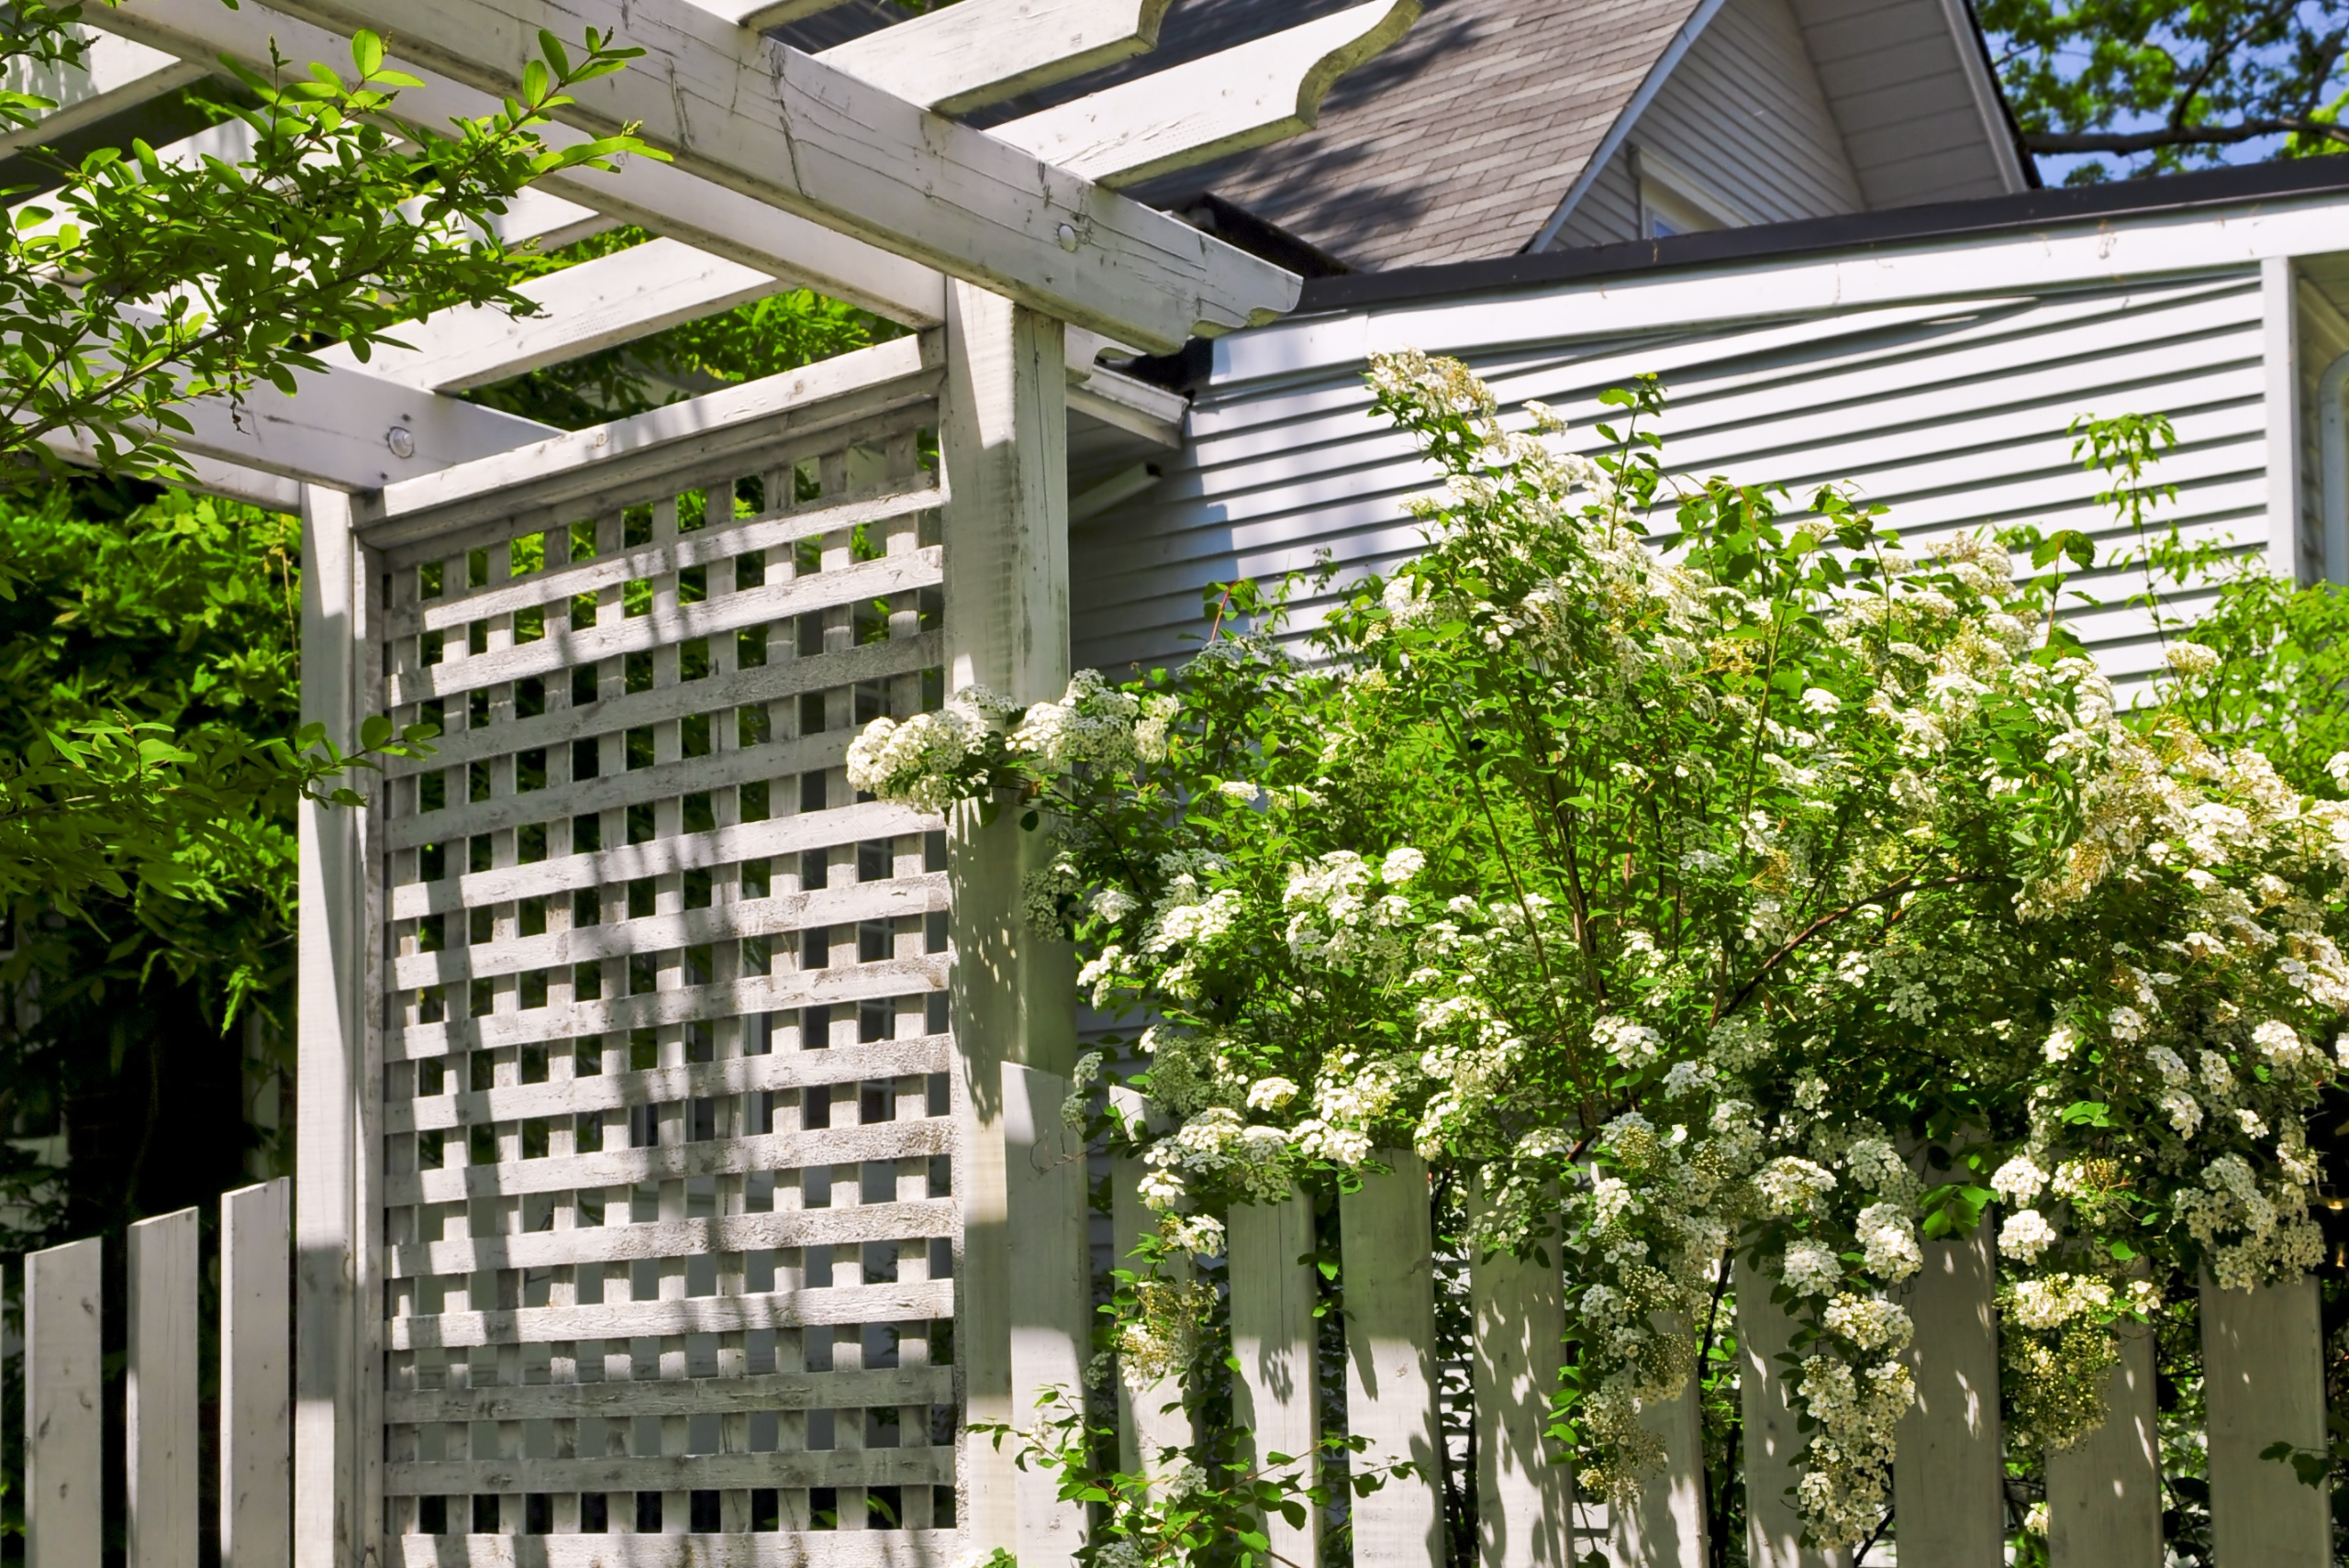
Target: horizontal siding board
(1955, 423)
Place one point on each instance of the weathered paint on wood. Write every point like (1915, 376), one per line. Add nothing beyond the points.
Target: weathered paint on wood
(1771, 1436)
(256, 1376)
(2263, 1382)
(1949, 1478)
(65, 1524)
(1274, 1395)
(983, 51)
(1524, 1500)
(1049, 1302)
(1391, 1358)
(2104, 1493)
(1667, 1528)
(159, 1394)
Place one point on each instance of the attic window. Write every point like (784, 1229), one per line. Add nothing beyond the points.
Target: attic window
(1672, 200)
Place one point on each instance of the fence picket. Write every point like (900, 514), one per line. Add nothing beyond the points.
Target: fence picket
(1151, 1416)
(2263, 1377)
(1524, 1503)
(1772, 1439)
(1665, 1529)
(256, 1371)
(63, 1311)
(159, 1398)
(2104, 1493)
(1050, 1302)
(1274, 1395)
(1949, 1474)
(1390, 1359)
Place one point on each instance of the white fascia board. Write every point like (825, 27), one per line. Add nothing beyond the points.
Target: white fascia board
(596, 305)
(787, 130)
(567, 465)
(1224, 103)
(1762, 288)
(764, 12)
(983, 51)
(563, 207)
(113, 74)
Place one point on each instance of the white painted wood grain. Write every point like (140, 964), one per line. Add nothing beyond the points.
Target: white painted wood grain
(1772, 1437)
(579, 463)
(675, 1472)
(684, 1315)
(1949, 1473)
(983, 51)
(159, 1393)
(256, 1376)
(850, 1225)
(1525, 1502)
(1390, 1359)
(805, 136)
(1275, 1395)
(695, 1397)
(1050, 1306)
(2263, 1382)
(596, 305)
(113, 74)
(822, 1549)
(2104, 1493)
(622, 1167)
(63, 1426)
(1188, 113)
(1666, 1527)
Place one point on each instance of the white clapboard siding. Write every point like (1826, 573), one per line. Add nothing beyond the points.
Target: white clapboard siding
(1953, 412)
(661, 1175)
(1913, 107)
(1743, 114)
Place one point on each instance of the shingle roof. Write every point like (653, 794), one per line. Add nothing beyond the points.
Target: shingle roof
(1457, 143)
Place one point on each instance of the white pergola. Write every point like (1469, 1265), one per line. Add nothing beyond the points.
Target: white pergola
(594, 918)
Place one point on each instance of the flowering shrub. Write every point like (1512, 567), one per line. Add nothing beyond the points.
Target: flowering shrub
(1782, 891)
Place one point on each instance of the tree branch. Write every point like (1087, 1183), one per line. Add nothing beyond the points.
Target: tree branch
(2180, 136)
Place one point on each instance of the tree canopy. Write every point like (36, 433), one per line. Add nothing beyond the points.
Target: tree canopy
(2156, 86)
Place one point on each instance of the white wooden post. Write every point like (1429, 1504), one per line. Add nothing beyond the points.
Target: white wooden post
(1524, 1503)
(1151, 1415)
(1050, 1305)
(1389, 1288)
(2104, 1493)
(1274, 1396)
(1665, 1529)
(63, 1430)
(1003, 437)
(335, 1489)
(1772, 1442)
(256, 1353)
(159, 1393)
(2263, 1373)
(1949, 1473)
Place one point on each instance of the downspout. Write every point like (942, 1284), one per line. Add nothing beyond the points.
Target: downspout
(2333, 440)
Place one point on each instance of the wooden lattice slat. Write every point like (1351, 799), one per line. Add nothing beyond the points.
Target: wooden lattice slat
(666, 1150)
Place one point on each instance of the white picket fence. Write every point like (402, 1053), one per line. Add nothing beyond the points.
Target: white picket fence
(2263, 1382)
(66, 1508)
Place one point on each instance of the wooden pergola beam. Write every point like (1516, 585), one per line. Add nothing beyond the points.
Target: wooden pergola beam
(794, 133)
(983, 51)
(1227, 102)
(115, 74)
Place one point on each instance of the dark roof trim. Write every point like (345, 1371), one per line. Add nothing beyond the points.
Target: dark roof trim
(2175, 194)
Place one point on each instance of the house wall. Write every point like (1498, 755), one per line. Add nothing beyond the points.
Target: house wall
(1744, 112)
(1951, 411)
(2323, 338)
(1910, 103)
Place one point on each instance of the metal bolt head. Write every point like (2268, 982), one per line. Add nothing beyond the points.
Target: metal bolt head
(401, 440)
(1067, 237)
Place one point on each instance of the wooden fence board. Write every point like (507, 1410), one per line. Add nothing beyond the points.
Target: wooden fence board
(1390, 1359)
(1949, 1474)
(2104, 1493)
(159, 1393)
(1275, 1392)
(256, 1376)
(2263, 1379)
(65, 1524)
(1524, 1501)
(1771, 1436)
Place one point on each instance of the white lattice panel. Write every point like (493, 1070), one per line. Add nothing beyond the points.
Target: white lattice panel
(669, 1212)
